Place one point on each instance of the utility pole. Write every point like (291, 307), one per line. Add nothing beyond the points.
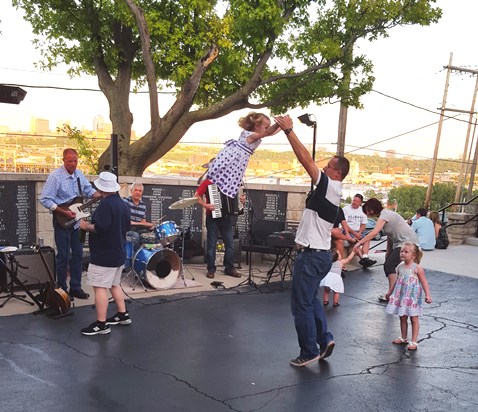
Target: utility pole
(442, 111)
(342, 129)
(344, 106)
(473, 168)
(462, 176)
(437, 142)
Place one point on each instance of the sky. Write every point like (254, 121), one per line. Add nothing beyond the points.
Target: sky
(408, 67)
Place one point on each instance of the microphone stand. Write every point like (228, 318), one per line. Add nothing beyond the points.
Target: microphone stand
(250, 211)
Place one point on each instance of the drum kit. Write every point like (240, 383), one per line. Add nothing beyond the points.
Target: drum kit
(154, 262)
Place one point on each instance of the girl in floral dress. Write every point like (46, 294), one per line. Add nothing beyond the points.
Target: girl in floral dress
(405, 296)
(229, 167)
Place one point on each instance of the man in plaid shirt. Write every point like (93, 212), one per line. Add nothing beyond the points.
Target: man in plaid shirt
(62, 186)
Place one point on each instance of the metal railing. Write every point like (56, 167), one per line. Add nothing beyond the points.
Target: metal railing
(443, 210)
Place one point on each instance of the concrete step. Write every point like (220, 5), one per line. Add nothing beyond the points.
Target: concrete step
(472, 241)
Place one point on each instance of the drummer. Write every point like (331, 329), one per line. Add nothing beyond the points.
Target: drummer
(137, 209)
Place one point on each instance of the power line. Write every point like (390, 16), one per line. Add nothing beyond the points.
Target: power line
(418, 156)
(401, 134)
(77, 89)
(356, 148)
(418, 107)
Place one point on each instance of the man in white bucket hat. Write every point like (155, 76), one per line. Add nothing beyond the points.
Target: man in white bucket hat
(108, 228)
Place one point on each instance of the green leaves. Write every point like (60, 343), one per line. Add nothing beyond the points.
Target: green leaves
(272, 53)
(85, 148)
(410, 198)
(299, 35)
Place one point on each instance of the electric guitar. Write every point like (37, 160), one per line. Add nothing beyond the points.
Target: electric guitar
(76, 206)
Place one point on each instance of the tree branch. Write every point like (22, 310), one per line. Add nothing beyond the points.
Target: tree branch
(188, 91)
(148, 63)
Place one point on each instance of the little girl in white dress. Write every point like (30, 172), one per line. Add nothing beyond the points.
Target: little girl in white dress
(333, 280)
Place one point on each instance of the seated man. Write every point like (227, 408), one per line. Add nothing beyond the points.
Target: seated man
(340, 234)
(138, 214)
(425, 230)
(357, 221)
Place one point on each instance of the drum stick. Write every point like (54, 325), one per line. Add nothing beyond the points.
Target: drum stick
(159, 220)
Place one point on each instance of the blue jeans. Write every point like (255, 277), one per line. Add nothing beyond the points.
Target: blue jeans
(224, 226)
(69, 256)
(310, 322)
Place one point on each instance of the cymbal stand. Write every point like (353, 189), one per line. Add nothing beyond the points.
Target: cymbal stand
(181, 265)
(13, 271)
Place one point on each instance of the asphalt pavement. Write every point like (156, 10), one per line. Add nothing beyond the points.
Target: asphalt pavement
(204, 349)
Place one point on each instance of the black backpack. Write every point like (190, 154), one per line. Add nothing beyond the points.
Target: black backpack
(442, 239)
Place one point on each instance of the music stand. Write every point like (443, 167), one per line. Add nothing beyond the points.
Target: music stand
(13, 271)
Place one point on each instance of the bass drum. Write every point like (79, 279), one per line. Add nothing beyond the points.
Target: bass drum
(157, 267)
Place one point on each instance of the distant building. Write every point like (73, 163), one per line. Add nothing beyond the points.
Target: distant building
(199, 159)
(390, 154)
(100, 126)
(354, 169)
(62, 123)
(39, 126)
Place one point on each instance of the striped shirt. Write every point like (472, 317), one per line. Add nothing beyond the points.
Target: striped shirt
(138, 212)
(318, 218)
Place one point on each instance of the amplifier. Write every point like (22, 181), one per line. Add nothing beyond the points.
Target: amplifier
(284, 239)
(35, 274)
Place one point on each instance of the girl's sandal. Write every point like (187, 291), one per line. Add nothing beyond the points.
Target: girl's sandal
(400, 341)
(336, 304)
(326, 302)
(412, 346)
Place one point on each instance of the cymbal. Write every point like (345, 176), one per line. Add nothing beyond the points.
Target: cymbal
(8, 249)
(183, 203)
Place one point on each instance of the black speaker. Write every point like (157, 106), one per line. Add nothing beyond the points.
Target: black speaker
(262, 228)
(33, 274)
(11, 94)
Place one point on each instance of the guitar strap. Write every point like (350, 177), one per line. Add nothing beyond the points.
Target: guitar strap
(79, 186)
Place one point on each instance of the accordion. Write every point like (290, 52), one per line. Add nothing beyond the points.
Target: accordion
(225, 205)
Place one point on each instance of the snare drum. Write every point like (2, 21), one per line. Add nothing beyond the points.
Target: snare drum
(166, 233)
(147, 238)
(157, 267)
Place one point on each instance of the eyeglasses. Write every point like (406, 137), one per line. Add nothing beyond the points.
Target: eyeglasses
(329, 166)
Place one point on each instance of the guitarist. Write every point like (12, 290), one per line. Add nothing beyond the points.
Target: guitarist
(61, 188)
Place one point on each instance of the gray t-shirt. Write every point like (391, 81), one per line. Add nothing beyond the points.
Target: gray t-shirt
(397, 229)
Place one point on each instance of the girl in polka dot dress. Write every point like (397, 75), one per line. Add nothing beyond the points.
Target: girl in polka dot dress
(229, 167)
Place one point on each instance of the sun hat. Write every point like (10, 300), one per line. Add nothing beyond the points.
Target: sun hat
(106, 182)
